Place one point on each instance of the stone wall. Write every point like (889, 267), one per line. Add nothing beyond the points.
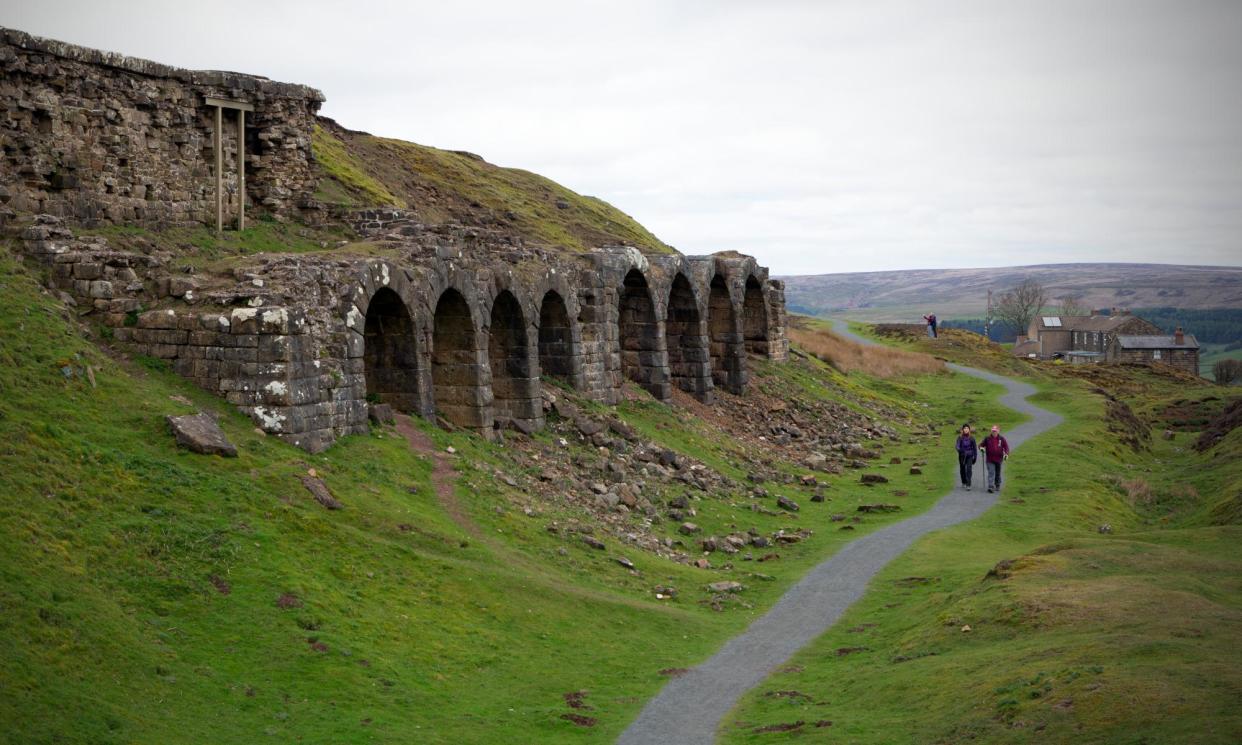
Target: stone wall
(101, 138)
(1186, 360)
(452, 322)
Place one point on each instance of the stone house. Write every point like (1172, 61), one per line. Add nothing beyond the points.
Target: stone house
(1080, 338)
(1179, 350)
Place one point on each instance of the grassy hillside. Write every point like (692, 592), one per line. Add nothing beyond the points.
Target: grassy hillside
(148, 594)
(448, 186)
(1100, 601)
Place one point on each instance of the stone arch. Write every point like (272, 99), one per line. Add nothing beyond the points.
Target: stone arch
(513, 364)
(560, 355)
(641, 337)
(755, 317)
(460, 392)
(726, 342)
(686, 340)
(390, 352)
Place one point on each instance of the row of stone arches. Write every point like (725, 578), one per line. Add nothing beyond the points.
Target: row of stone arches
(481, 369)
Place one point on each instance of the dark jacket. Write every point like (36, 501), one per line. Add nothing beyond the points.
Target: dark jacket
(996, 448)
(967, 447)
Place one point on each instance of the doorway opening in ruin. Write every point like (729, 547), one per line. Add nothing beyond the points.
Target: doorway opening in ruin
(557, 355)
(455, 374)
(390, 360)
(755, 318)
(684, 337)
(725, 341)
(639, 337)
(514, 386)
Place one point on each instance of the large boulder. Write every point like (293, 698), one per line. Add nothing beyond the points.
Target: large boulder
(201, 434)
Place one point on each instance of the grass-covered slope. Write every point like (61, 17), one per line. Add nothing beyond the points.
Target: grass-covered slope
(1099, 601)
(151, 595)
(362, 170)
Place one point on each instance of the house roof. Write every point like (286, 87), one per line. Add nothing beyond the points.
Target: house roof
(1082, 323)
(1157, 342)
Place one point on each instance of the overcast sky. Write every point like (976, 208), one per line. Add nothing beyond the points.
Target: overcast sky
(818, 136)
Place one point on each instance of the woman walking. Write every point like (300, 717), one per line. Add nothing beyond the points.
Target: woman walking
(967, 453)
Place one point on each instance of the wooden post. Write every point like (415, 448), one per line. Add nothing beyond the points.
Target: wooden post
(241, 169)
(219, 170)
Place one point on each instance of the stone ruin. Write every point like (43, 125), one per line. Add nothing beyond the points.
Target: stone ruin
(464, 324)
(102, 138)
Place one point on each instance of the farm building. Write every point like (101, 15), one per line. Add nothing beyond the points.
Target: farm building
(1179, 350)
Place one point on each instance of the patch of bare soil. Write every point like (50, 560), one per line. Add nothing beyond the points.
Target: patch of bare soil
(442, 474)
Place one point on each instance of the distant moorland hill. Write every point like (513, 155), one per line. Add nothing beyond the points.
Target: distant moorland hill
(960, 293)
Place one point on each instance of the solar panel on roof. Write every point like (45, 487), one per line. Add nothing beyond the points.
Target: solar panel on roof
(1052, 321)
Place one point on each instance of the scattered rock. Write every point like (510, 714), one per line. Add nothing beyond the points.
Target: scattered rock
(688, 529)
(727, 586)
(966, 629)
(916, 471)
(665, 591)
(587, 426)
(624, 562)
(872, 479)
(817, 498)
(786, 503)
(320, 492)
(879, 508)
(201, 434)
(1105, 528)
(381, 414)
(896, 461)
(843, 651)
(594, 543)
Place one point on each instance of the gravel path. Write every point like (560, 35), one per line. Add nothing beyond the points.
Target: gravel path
(689, 708)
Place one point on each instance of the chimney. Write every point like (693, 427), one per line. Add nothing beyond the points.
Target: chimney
(1178, 337)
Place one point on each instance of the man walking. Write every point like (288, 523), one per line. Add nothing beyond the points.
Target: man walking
(931, 325)
(996, 451)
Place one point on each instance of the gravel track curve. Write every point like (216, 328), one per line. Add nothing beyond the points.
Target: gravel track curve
(689, 709)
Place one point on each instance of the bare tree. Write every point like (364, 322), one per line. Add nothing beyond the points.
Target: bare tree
(1227, 371)
(1017, 307)
(1071, 305)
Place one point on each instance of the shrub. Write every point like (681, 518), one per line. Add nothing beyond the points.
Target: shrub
(1227, 371)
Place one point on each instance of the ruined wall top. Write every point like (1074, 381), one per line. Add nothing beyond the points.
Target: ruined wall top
(137, 65)
(101, 138)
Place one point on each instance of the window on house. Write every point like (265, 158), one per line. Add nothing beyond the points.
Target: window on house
(1155, 355)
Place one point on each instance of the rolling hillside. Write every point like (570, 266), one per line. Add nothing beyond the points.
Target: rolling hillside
(962, 293)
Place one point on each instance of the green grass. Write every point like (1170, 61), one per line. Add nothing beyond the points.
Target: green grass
(451, 186)
(1126, 636)
(114, 627)
(353, 185)
(200, 247)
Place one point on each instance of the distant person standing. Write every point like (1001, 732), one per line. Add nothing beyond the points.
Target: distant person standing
(967, 454)
(931, 324)
(996, 450)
